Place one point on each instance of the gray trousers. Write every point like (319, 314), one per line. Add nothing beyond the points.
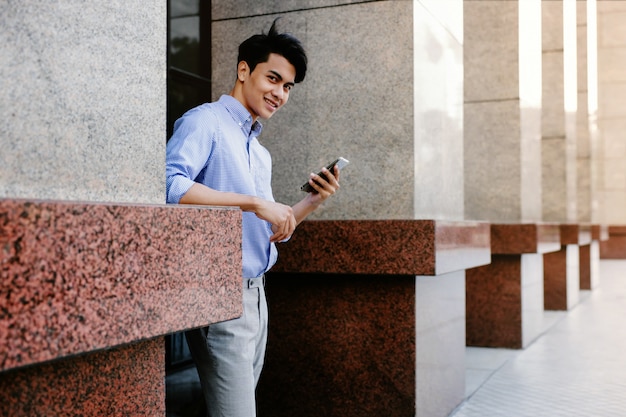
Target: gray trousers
(229, 355)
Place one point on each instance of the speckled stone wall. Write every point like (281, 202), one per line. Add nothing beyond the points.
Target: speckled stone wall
(559, 106)
(82, 277)
(126, 381)
(83, 100)
(376, 97)
(84, 286)
(611, 112)
(502, 112)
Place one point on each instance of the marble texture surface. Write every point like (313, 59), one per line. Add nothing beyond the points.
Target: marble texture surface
(80, 277)
(124, 381)
(405, 247)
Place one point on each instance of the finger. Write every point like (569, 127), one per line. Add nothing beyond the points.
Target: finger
(333, 177)
(337, 173)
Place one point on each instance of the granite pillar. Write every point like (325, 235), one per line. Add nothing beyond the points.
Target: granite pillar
(614, 247)
(388, 97)
(585, 187)
(559, 105)
(504, 300)
(562, 268)
(611, 114)
(503, 169)
(502, 111)
(368, 318)
(599, 234)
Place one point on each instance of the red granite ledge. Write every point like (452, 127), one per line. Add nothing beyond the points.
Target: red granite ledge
(599, 232)
(79, 277)
(519, 238)
(575, 234)
(617, 230)
(584, 234)
(122, 381)
(386, 247)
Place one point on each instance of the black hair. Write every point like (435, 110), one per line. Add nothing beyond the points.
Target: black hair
(257, 49)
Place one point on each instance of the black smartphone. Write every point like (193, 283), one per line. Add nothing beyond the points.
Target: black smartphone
(340, 162)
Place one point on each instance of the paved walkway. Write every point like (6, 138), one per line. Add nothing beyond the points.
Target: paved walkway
(576, 368)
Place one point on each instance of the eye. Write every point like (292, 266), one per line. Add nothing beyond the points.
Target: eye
(288, 87)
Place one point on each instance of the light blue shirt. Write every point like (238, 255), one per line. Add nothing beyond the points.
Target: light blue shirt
(216, 144)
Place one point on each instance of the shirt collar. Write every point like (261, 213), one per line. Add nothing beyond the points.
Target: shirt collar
(241, 115)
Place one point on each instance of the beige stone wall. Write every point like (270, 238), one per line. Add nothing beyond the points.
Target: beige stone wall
(612, 111)
(502, 66)
(584, 191)
(559, 110)
(83, 100)
(383, 89)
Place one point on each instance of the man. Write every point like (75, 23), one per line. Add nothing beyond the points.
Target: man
(214, 158)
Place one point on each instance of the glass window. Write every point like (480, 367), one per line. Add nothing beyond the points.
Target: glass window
(189, 57)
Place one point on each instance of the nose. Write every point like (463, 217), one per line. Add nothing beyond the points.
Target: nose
(278, 92)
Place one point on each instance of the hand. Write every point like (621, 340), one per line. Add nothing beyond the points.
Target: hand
(280, 216)
(324, 188)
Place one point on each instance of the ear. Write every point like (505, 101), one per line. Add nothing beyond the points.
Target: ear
(243, 70)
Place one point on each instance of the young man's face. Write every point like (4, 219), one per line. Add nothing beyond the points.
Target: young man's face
(267, 88)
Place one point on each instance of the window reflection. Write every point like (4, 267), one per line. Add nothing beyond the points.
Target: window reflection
(189, 57)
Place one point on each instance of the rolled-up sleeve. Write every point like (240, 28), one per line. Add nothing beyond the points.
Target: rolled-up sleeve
(187, 153)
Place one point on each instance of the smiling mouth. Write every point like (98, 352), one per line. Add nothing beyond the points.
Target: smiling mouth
(271, 103)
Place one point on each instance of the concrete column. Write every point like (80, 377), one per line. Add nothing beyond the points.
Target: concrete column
(559, 104)
(612, 110)
(83, 101)
(502, 122)
(559, 148)
(502, 56)
(584, 191)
